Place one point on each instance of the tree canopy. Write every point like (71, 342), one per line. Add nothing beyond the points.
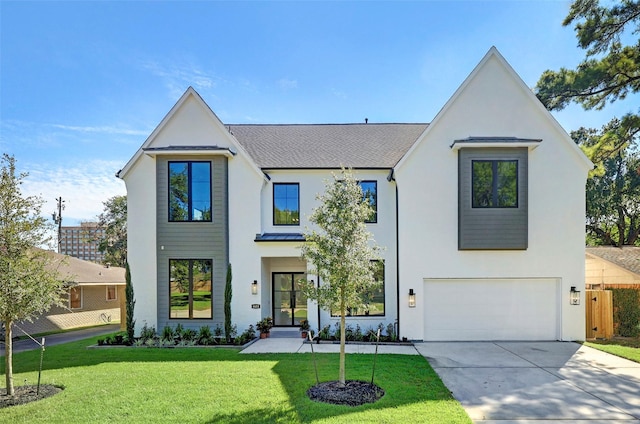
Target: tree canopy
(29, 280)
(114, 221)
(609, 72)
(341, 251)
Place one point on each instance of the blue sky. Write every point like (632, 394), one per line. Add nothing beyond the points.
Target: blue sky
(82, 84)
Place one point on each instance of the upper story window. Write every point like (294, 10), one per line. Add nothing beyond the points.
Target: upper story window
(286, 204)
(370, 194)
(494, 183)
(493, 198)
(189, 191)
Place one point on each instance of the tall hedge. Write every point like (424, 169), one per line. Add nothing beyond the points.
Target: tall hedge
(626, 311)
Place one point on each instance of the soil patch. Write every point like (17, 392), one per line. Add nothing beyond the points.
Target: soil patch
(353, 393)
(26, 394)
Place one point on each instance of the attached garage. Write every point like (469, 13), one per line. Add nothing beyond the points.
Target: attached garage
(492, 309)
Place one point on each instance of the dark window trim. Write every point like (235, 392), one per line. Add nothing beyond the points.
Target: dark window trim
(190, 297)
(375, 212)
(189, 189)
(273, 200)
(494, 183)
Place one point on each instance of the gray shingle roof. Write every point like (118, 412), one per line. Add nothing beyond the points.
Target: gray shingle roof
(627, 257)
(327, 145)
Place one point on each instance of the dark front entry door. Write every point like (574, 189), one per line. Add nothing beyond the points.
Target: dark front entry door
(289, 304)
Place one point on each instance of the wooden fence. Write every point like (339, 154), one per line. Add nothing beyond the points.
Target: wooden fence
(599, 309)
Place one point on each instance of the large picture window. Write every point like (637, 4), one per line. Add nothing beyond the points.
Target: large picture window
(373, 300)
(189, 191)
(495, 184)
(286, 204)
(370, 194)
(190, 294)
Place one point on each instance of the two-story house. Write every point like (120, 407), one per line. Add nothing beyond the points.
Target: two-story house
(481, 213)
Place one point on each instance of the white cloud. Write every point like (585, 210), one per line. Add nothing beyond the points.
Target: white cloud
(178, 78)
(101, 129)
(287, 84)
(83, 188)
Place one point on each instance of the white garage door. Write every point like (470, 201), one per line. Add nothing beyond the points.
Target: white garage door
(478, 309)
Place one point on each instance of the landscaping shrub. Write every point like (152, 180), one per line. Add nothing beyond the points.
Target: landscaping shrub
(626, 312)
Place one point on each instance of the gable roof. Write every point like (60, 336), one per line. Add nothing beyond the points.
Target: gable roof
(327, 145)
(147, 145)
(85, 272)
(493, 53)
(627, 257)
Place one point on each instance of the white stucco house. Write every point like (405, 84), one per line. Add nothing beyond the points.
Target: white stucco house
(481, 213)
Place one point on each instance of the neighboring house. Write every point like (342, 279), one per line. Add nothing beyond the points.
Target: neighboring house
(481, 213)
(611, 267)
(82, 241)
(94, 297)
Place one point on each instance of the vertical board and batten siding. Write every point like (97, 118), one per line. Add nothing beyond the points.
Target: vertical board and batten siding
(193, 240)
(492, 228)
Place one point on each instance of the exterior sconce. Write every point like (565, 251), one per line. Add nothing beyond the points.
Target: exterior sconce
(254, 287)
(412, 299)
(574, 296)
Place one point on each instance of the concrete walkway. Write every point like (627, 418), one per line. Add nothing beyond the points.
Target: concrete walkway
(537, 382)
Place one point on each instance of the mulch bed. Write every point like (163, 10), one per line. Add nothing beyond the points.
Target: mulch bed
(353, 393)
(26, 394)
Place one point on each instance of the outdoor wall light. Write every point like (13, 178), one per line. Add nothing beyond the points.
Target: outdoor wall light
(254, 287)
(574, 296)
(412, 299)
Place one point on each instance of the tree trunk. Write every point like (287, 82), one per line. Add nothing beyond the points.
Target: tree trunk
(8, 356)
(343, 339)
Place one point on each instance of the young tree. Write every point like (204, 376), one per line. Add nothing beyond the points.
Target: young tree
(29, 281)
(130, 303)
(227, 305)
(114, 221)
(341, 252)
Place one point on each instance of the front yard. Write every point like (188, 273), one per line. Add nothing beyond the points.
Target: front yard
(200, 385)
(625, 347)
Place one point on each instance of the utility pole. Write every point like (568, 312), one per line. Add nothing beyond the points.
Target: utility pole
(57, 219)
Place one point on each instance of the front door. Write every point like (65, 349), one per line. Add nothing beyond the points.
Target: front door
(289, 304)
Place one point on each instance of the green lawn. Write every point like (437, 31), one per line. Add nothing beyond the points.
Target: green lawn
(625, 348)
(199, 385)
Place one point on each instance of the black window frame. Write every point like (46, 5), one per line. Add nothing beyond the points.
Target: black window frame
(190, 296)
(273, 199)
(373, 220)
(494, 184)
(189, 164)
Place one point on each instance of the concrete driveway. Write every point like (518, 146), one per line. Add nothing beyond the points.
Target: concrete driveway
(537, 382)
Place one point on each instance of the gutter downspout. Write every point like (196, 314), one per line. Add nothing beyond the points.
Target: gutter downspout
(392, 178)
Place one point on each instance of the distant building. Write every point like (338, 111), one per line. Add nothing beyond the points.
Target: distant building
(82, 241)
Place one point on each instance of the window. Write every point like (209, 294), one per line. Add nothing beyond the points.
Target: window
(373, 300)
(189, 191)
(286, 204)
(495, 184)
(493, 198)
(75, 298)
(190, 295)
(370, 194)
(112, 293)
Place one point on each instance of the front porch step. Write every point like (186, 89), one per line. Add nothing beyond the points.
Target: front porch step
(285, 333)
